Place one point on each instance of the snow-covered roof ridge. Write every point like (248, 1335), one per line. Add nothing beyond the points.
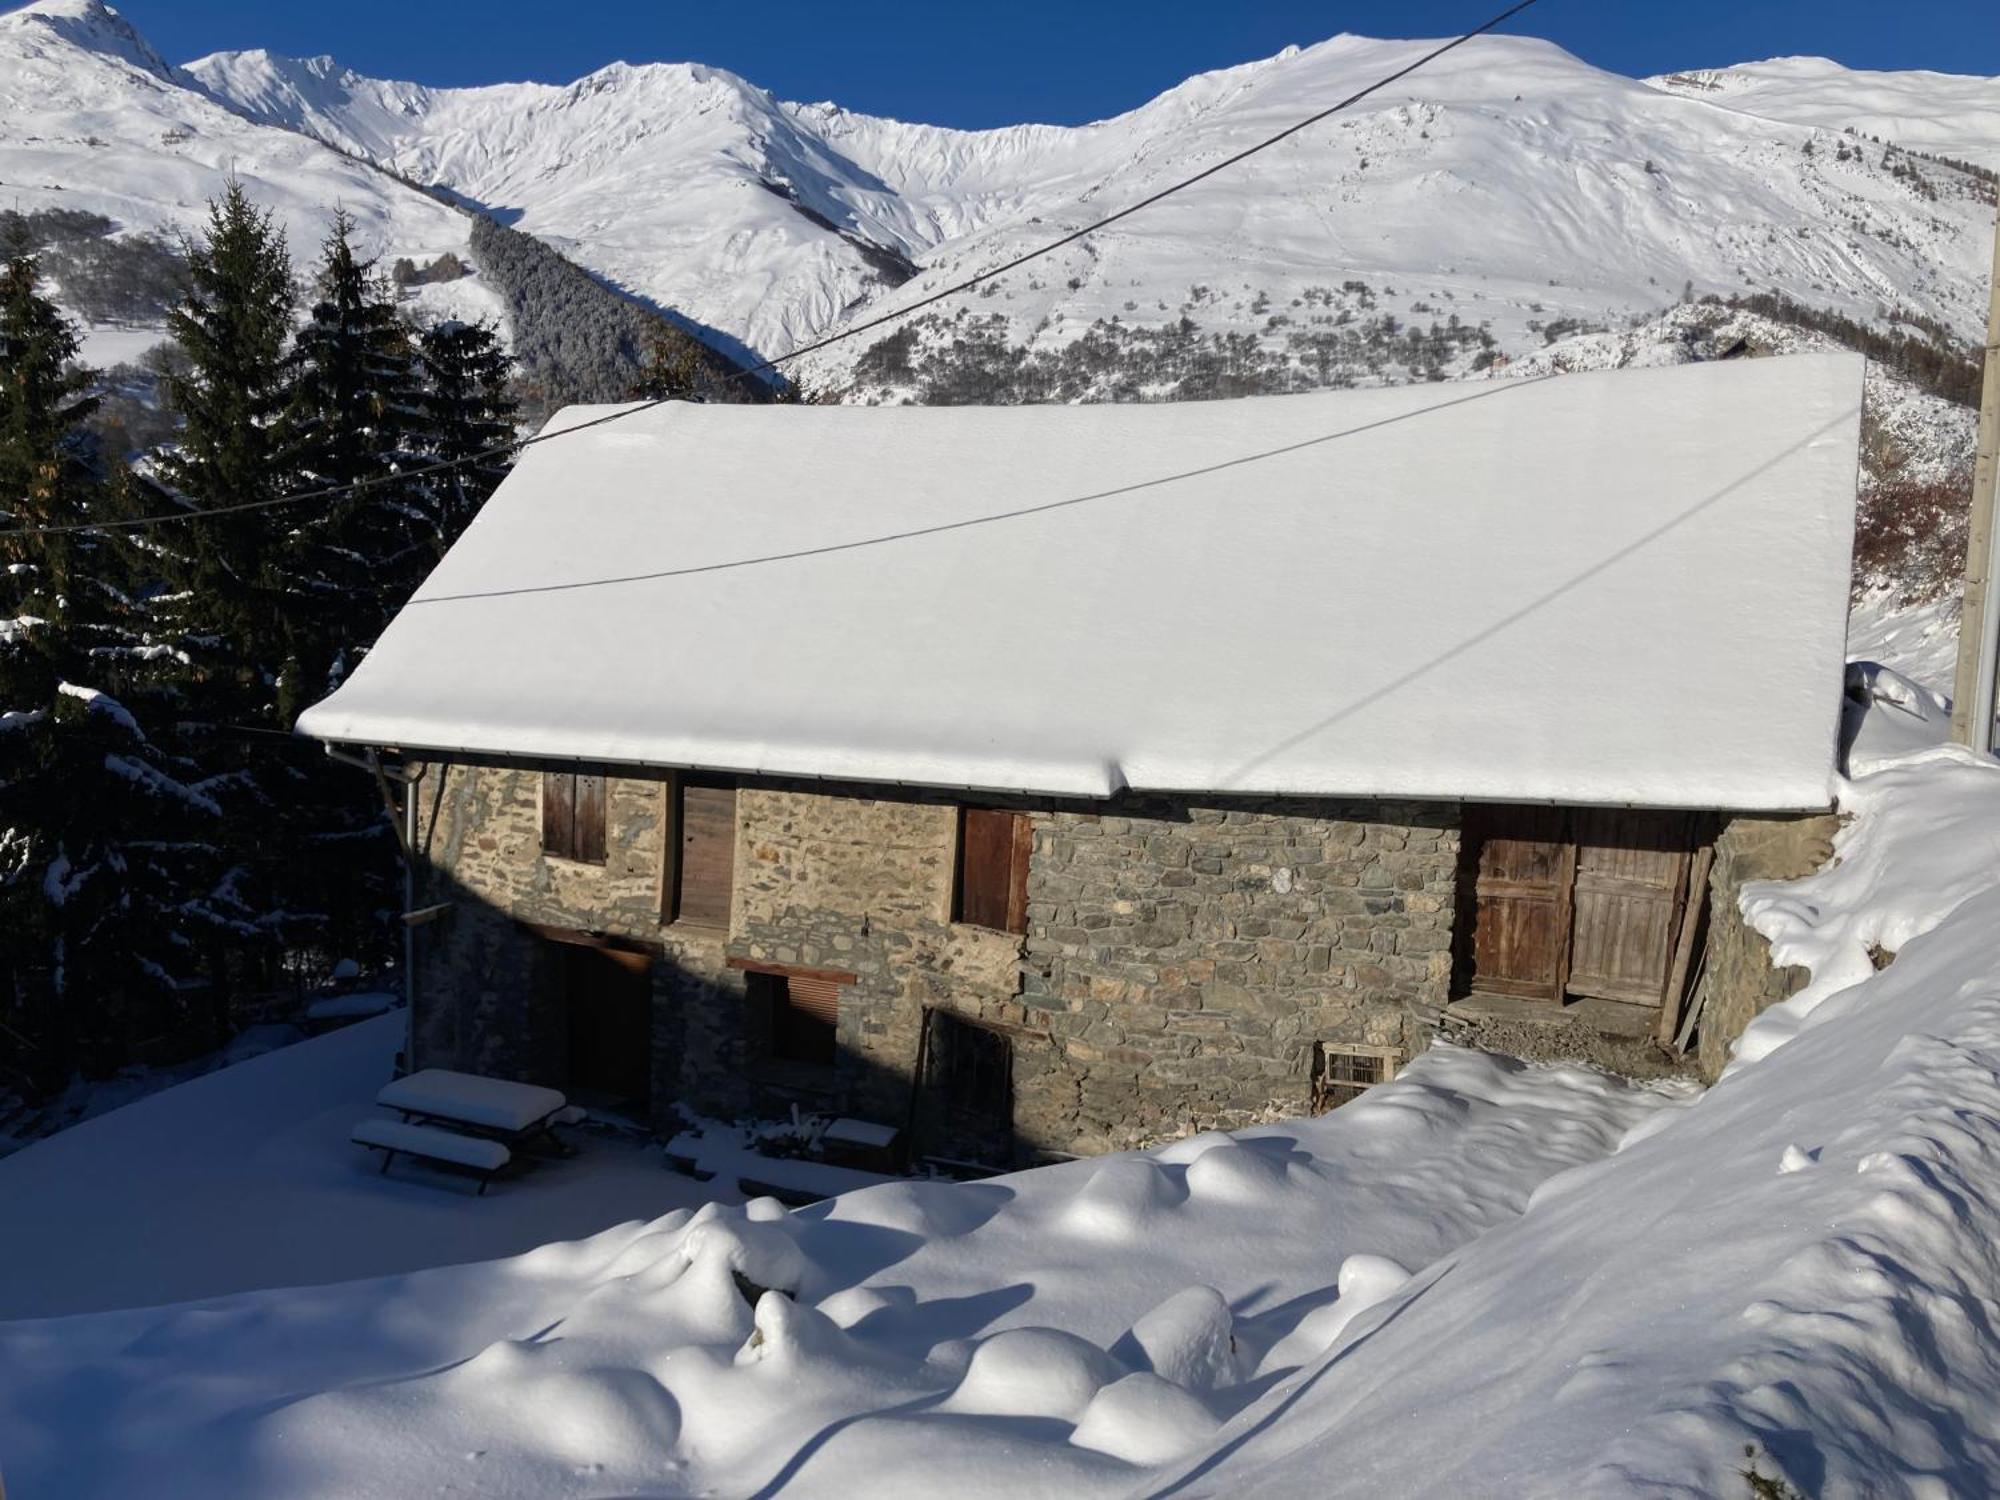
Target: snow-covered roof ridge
(1617, 588)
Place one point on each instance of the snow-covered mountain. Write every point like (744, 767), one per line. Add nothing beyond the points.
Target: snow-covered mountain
(93, 119)
(1509, 183)
(1509, 186)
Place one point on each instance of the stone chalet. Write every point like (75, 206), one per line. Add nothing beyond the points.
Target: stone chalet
(1051, 780)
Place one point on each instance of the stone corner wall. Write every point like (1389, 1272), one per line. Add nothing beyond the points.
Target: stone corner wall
(1741, 980)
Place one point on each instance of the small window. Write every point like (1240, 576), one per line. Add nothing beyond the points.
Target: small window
(704, 871)
(992, 885)
(573, 816)
(800, 1016)
(1343, 1074)
(972, 1068)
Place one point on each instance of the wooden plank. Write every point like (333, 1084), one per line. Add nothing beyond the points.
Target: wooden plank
(1631, 873)
(707, 854)
(589, 805)
(578, 938)
(790, 971)
(559, 813)
(670, 847)
(1690, 921)
(1017, 885)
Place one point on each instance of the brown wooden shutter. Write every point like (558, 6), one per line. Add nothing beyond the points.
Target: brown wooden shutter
(707, 866)
(589, 804)
(558, 813)
(806, 1019)
(993, 868)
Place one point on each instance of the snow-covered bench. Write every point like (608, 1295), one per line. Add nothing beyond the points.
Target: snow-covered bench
(482, 1158)
(495, 1107)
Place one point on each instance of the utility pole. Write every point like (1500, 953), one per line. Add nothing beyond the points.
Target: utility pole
(1972, 699)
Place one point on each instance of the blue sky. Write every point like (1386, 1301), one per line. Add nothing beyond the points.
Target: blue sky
(976, 65)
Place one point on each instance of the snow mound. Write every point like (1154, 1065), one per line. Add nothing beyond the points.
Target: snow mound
(1924, 837)
(1190, 1339)
(1144, 1419)
(1125, 1198)
(1033, 1372)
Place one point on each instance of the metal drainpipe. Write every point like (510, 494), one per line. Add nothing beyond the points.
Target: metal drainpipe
(409, 928)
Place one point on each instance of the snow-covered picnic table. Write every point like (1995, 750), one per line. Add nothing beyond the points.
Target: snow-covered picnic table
(497, 1106)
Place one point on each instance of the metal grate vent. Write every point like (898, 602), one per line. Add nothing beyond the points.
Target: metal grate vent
(1343, 1071)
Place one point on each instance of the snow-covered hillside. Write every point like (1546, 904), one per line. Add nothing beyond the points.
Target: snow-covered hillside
(1947, 114)
(1508, 183)
(93, 119)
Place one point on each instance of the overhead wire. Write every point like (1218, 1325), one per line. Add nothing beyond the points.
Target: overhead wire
(745, 372)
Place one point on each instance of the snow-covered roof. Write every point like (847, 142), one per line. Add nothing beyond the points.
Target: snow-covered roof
(1616, 588)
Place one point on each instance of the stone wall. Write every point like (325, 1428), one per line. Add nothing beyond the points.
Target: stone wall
(1187, 955)
(1181, 962)
(1740, 979)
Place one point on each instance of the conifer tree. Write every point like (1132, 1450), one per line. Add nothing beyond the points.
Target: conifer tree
(227, 572)
(355, 418)
(108, 863)
(468, 413)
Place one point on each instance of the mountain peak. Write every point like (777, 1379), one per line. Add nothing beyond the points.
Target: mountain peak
(92, 26)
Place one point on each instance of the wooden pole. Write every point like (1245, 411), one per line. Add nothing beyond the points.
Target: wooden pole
(1979, 618)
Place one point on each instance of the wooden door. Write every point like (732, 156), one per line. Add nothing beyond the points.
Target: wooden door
(1521, 915)
(1631, 881)
(608, 994)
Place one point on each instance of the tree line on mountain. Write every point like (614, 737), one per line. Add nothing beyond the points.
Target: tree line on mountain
(166, 846)
(973, 359)
(576, 339)
(107, 279)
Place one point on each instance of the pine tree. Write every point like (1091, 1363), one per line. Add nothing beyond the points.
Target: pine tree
(356, 418)
(468, 413)
(227, 572)
(108, 863)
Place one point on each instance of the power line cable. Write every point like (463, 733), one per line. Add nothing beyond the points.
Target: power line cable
(361, 486)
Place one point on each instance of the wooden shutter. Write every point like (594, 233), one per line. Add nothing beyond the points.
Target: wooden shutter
(805, 1019)
(589, 803)
(573, 816)
(558, 813)
(993, 850)
(1631, 873)
(1520, 934)
(706, 870)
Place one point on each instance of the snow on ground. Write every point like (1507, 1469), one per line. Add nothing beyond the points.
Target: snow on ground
(245, 1178)
(1804, 1261)
(1483, 1278)
(966, 1327)
(1920, 641)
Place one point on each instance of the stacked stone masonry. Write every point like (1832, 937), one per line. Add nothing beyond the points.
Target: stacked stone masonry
(1184, 957)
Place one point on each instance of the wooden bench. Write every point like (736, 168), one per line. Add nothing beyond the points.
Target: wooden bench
(482, 1158)
(515, 1114)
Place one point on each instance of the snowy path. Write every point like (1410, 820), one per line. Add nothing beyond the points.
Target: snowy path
(245, 1178)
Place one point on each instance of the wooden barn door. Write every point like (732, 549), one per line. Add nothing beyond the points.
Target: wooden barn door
(1521, 916)
(1631, 883)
